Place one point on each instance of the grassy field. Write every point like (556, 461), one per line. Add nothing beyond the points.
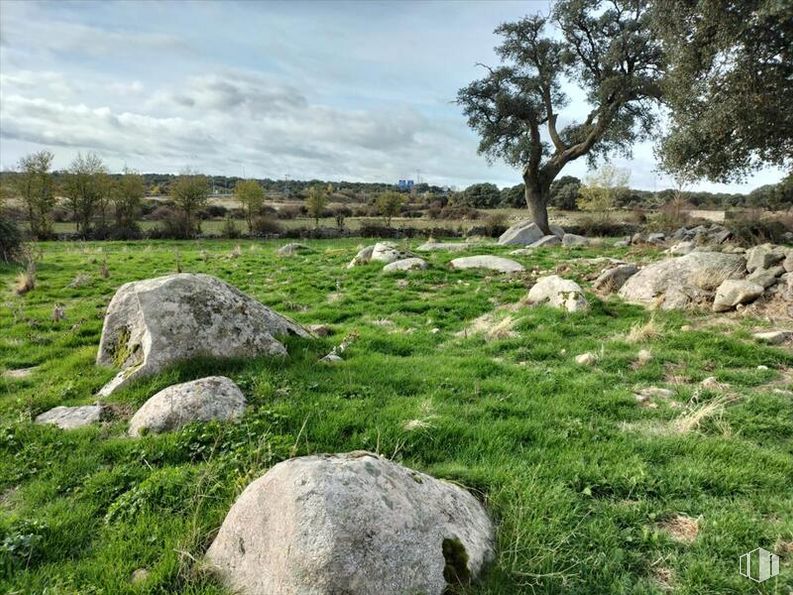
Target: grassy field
(592, 492)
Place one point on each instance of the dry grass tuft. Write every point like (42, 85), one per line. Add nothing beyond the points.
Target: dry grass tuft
(25, 282)
(696, 412)
(664, 577)
(640, 333)
(80, 280)
(682, 528)
(417, 424)
(492, 327)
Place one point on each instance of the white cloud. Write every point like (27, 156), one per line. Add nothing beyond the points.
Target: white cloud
(354, 90)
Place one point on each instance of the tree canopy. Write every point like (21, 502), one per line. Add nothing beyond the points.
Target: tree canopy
(728, 83)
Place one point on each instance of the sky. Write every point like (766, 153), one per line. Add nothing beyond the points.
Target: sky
(358, 91)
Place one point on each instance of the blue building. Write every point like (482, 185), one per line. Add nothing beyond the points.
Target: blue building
(405, 184)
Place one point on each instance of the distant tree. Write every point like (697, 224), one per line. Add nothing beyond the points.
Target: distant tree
(127, 197)
(608, 49)
(600, 192)
(729, 85)
(251, 196)
(36, 189)
(564, 193)
(190, 194)
(513, 197)
(316, 201)
(479, 196)
(87, 190)
(388, 205)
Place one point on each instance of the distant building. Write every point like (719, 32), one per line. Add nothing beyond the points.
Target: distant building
(405, 184)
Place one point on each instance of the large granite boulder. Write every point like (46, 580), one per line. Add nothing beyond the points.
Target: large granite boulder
(682, 282)
(352, 523)
(154, 323)
(214, 397)
(558, 293)
(492, 263)
(526, 232)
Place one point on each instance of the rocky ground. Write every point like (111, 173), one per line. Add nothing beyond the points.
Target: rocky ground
(545, 412)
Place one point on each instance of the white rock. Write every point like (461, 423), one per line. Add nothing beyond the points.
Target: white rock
(773, 337)
(406, 264)
(684, 281)
(69, 418)
(526, 232)
(154, 323)
(551, 240)
(493, 263)
(571, 239)
(444, 246)
(764, 257)
(559, 293)
(682, 248)
(214, 397)
(353, 523)
(586, 359)
(364, 256)
(766, 277)
(291, 249)
(735, 291)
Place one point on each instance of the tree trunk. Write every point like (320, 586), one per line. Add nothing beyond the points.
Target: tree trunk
(537, 201)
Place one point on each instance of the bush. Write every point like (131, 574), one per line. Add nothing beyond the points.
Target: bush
(11, 247)
(288, 212)
(264, 225)
(495, 224)
(230, 229)
(751, 228)
(213, 212)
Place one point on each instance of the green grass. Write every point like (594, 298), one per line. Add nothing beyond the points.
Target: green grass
(579, 478)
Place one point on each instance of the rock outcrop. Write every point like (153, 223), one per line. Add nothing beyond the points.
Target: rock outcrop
(154, 323)
(682, 282)
(214, 397)
(353, 523)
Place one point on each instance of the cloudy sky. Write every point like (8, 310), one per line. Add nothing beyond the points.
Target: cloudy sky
(359, 90)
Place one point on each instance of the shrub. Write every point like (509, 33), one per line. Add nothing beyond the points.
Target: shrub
(495, 224)
(288, 212)
(264, 225)
(752, 228)
(10, 240)
(230, 229)
(213, 212)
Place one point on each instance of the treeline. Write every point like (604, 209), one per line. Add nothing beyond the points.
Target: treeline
(566, 192)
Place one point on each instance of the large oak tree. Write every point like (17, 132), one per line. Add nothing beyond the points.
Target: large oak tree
(604, 47)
